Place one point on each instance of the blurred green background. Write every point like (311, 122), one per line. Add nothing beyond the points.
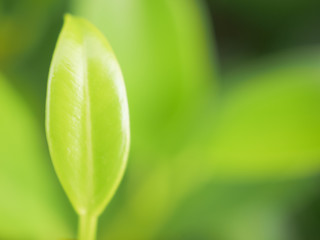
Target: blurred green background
(224, 101)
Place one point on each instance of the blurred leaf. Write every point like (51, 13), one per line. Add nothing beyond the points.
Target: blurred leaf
(32, 205)
(87, 117)
(268, 124)
(163, 49)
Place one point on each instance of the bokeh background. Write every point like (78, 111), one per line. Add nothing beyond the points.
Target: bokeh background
(224, 103)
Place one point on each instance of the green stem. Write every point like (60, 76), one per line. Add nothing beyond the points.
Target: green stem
(87, 227)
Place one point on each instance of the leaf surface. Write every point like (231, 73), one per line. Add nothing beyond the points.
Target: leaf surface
(87, 118)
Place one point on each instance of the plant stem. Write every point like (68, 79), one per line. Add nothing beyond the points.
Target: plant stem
(87, 227)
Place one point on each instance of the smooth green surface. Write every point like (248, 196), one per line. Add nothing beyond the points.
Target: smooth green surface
(267, 125)
(87, 227)
(32, 205)
(87, 118)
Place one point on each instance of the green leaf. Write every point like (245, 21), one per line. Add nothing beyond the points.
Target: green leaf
(268, 123)
(87, 118)
(32, 204)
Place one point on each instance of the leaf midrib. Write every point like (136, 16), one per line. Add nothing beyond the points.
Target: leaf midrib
(88, 124)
